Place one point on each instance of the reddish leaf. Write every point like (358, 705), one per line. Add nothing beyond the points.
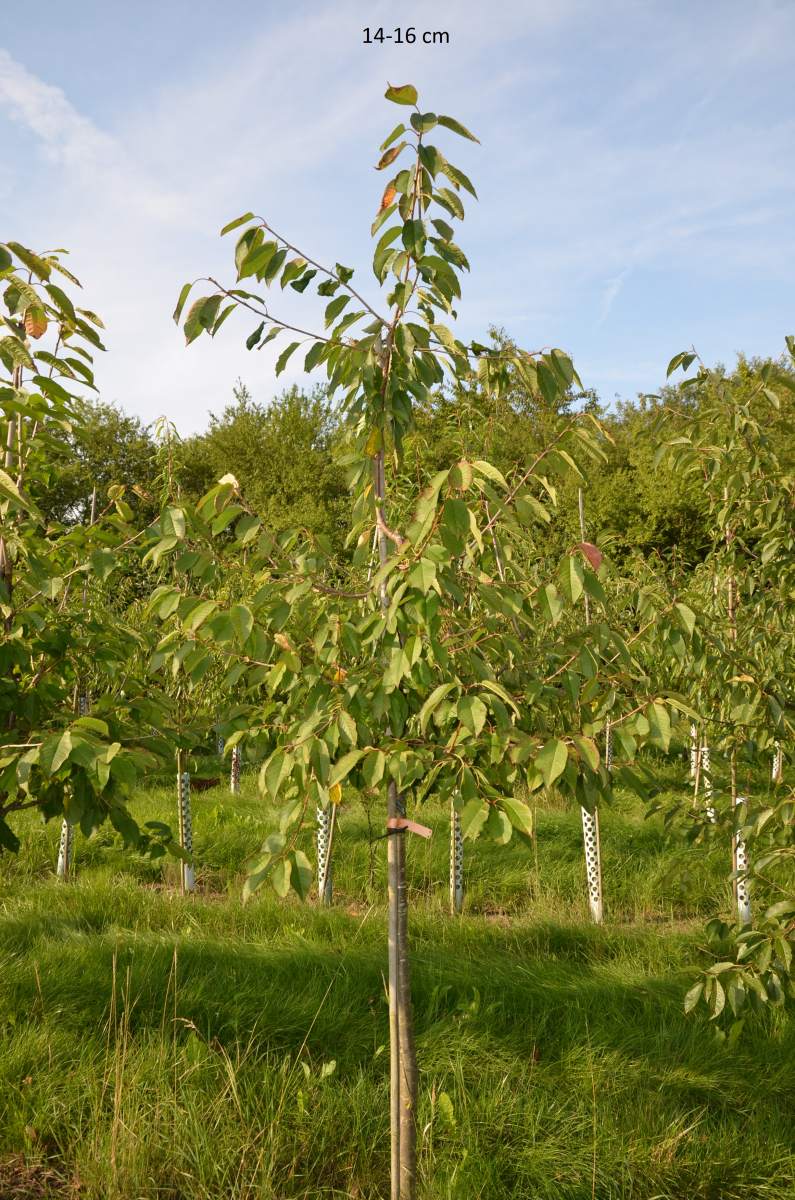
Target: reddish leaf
(388, 196)
(592, 553)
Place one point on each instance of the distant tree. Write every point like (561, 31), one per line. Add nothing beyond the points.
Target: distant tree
(101, 448)
(282, 453)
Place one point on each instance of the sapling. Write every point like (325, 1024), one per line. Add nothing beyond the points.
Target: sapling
(446, 671)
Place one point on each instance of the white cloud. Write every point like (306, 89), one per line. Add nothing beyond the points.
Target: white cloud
(614, 142)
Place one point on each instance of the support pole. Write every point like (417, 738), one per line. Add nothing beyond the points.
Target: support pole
(187, 873)
(456, 862)
(741, 885)
(590, 821)
(325, 889)
(234, 771)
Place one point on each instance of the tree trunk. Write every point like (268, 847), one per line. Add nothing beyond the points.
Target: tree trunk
(403, 1057)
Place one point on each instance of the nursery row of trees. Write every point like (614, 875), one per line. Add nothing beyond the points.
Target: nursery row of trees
(463, 602)
(286, 455)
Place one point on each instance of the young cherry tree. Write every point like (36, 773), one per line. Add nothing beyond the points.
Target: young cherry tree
(743, 682)
(448, 669)
(58, 643)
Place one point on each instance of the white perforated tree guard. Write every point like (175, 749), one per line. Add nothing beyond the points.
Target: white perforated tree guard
(741, 885)
(234, 771)
(66, 845)
(777, 773)
(324, 872)
(693, 750)
(65, 850)
(593, 862)
(188, 874)
(707, 778)
(456, 862)
(590, 837)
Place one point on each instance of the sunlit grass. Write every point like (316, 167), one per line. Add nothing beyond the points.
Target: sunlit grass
(161, 1046)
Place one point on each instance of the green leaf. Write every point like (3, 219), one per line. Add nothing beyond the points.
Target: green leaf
(172, 523)
(659, 724)
(474, 816)
(32, 261)
(687, 618)
(62, 751)
(254, 337)
(6, 262)
(181, 301)
(280, 877)
(373, 767)
(405, 94)
(693, 996)
(519, 814)
(394, 135)
(274, 770)
(15, 350)
(238, 221)
(459, 179)
(551, 761)
(432, 703)
(343, 766)
(457, 127)
(281, 362)
(551, 603)
(334, 309)
(423, 576)
(242, 621)
(201, 316)
(198, 615)
(472, 713)
(301, 873)
(422, 122)
(589, 751)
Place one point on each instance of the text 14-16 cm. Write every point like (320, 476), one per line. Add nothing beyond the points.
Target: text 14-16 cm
(431, 37)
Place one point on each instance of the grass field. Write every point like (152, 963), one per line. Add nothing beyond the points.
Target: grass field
(195, 1049)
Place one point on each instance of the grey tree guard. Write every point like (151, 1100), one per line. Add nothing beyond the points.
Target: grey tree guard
(187, 873)
(456, 861)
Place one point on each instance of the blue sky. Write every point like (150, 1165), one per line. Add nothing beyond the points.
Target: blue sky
(636, 174)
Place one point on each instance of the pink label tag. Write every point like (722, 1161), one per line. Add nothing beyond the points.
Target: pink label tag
(412, 826)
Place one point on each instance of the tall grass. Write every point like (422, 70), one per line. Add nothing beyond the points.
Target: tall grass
(194, 1049)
